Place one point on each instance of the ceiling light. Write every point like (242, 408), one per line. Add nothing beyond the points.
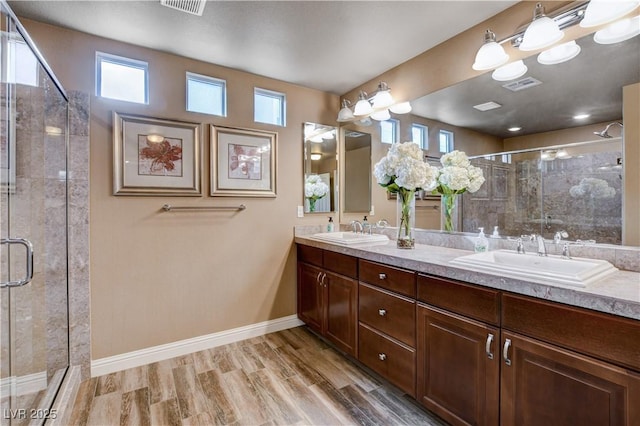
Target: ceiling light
(363, 107)
(542, 31)
(559, 54)
(316, 157)
(487, 106)
(401, 108)
(383, 98)
(491, 54)
(562, 154)
(581, 116)
(345, 113)
(601, 12)
(618, 31)
(381, 115)
(53, 130)
(155, 138)
(316, 139)
(510, 71)
(514, 129)
(327, 135)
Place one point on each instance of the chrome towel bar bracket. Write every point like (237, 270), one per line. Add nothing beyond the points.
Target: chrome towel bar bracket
(170, 208)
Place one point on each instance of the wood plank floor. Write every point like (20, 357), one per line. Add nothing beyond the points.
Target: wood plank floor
(286, 378)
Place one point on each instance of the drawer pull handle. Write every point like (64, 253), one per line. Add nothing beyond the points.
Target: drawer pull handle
(505, 351)
(487, 347)
(382, 276)
(382, 356)
(318, 278)
(382, 312)
(322, 280)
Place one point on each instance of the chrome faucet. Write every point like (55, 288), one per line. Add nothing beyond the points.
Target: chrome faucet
(566, 254)
(355, 225)
(542, 249)
(557, 238)
(520, 246)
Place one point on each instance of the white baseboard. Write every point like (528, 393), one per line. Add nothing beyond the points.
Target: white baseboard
(23, 385)
(133, 359)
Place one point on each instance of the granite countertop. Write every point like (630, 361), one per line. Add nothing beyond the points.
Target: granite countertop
(617, 294)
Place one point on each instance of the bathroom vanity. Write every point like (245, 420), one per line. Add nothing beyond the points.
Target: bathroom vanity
(477, 348)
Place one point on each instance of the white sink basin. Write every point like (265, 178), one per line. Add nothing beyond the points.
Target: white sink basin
(548, 270)
(349, 238)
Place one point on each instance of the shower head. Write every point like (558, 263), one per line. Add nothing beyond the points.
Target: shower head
(605, 133)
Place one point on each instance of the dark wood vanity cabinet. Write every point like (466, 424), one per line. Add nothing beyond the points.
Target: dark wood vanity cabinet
(328, 295)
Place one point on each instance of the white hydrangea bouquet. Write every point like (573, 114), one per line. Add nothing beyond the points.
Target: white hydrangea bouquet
(593, 188)
(456, 176)
(314, 189)
(403, 171)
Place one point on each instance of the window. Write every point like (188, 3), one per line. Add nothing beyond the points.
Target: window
(269, 107)
(445, 141)
(389, 131)
(121, 78)
(506, 158)
(420, 135)
(207, 95)
(22, 65)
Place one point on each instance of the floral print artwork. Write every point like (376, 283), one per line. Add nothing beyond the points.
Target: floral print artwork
(159, 158)
(245, 162)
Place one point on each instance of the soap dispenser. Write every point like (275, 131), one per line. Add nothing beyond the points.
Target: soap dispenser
(496, 233)
(482, 244)
(330, 225)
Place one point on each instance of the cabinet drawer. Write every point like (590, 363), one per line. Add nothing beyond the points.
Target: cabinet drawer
(391, 359)
(341, 264)
(311, 255)
(465, 299)
(389, 313)
(607, 337)
(394, 279)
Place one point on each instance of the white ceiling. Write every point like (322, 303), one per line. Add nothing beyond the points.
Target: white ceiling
(332, 46)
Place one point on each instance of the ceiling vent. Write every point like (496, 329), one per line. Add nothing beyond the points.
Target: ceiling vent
(487, 106)
(522, 84)
(194, 7)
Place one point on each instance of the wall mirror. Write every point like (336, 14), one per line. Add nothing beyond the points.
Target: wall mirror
(543, 103)
(320, 165)
(357, 171)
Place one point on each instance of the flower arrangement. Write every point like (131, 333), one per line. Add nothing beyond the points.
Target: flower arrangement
(592, 188)
(314, 189)
(403, 171)
(456, 176)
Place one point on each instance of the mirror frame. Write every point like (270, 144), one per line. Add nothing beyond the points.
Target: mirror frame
(306, 157)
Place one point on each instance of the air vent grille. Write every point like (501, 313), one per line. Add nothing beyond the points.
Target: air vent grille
(194, 7)
(522, 84)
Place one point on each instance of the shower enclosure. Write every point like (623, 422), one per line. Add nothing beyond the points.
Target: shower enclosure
(34, 326)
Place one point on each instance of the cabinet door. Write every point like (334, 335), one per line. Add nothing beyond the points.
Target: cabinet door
(341, 311)
(542, 384)
(310, 291)
(458, 367)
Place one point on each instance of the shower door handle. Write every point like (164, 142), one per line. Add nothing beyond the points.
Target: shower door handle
(29, 276)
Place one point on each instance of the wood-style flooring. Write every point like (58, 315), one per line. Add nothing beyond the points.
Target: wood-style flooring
(286, 378)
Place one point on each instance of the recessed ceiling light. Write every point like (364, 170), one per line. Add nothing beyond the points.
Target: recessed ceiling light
(581, 116)
(514, 129)
(487, 106)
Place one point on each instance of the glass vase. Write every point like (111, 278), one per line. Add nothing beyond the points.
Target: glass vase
(406, 209)
(449, 214)
(312, 205)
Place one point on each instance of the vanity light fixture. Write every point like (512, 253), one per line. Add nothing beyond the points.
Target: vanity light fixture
(618, 31)
(560, 53)
(510, 71)
(491, 54)
(542, 31)
(377, 106)
(53, 130)
(601, 12)
(316, 157)
(155, 138)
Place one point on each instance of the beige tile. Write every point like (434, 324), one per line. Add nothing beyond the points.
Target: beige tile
(248, 406)
(135, 408)
(280, 406)
(215, 393)
(105, 410)
(109, 383)
(134, 378)
(82, 404)
(166, 413)
(188, 391)
(161, 386)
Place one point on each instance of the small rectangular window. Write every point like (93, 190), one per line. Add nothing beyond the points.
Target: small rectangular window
(420, 135)
(389, 131)
(269, 107)
(445, 141)
(207, 95)
(506, 158)
(22, 64)
(122, 78)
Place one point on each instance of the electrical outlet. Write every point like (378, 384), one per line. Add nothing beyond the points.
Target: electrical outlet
(300, 211)
(373, 210)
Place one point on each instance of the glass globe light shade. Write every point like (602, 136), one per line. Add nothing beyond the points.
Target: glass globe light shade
(401, 108)
(542, 32)
(601, 12)
(510, 71)
(490, 55)
(381, 115)
(559, 54)
(618, 31)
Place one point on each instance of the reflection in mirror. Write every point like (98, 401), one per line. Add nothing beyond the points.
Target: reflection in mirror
(574, 189)
(357, 172)
(320, 168)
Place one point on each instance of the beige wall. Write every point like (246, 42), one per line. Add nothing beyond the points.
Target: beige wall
(631, 203)
(159, 277)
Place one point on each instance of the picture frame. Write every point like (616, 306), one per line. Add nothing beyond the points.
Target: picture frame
(243, 162)
(156, 157)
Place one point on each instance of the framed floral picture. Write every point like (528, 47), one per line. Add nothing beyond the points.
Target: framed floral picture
(153, 156)
(243, 162)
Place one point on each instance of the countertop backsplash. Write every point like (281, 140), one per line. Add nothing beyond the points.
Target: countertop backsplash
(622, 257)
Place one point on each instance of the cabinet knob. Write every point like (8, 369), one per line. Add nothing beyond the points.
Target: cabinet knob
(382, 312)
(382, 276)
(382, 356)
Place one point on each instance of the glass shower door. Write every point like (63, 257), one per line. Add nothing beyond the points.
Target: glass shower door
(33, 225)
